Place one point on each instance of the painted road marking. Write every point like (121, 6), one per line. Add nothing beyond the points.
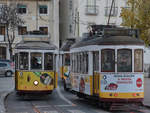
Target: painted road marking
(51, 112)
(62, 96)
(54, 105)
(76, 111)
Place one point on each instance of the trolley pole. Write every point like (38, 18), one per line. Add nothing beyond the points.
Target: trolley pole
(110, 11)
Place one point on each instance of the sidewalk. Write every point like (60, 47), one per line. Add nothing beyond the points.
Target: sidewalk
(6, 86)
(146, 101)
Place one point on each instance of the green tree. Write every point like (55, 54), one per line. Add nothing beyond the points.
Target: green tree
(137, 15)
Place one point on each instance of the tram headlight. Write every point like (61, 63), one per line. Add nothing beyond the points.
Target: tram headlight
(36, 83)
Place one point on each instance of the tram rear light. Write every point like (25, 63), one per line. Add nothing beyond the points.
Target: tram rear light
(115, 94)
(134, 94)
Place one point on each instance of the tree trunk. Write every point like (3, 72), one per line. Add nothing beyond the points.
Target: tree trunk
(10, 52)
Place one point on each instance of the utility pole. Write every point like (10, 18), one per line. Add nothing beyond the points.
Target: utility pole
(78, 25)
(110, 11)
(37, 5)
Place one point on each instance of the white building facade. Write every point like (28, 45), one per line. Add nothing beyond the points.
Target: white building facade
(80, 14)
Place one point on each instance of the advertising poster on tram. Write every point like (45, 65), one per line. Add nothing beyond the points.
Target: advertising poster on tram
(84, 85)
(80, 83)
(122, 83)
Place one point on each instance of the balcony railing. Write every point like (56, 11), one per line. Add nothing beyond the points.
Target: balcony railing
(35, 36)
(114, 11)
(91, 10)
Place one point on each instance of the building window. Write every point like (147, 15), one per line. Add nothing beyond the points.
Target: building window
(70, 28)
(138, 60)
(108, 60)
(2, 52)
(22, 30)
(22, 9)
(91, 7)
(124, 60)
(2, 30)
(44, 30)
(114, 10)
(43, 9)
(70, 4)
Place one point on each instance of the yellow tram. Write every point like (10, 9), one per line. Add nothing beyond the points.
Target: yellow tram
(109, 67)
(35, 67)
(65, 62)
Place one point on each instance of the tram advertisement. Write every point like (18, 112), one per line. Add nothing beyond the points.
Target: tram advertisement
(81, 83)
(122, 83)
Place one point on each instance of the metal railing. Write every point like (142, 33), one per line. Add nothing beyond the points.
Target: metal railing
(92, 10)
(114, 11)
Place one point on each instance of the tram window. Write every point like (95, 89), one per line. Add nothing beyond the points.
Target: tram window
(96, 61)
(85, 63)
(67, 59)
(48, 61)
(23, 61)
(138, 60)
(82, 63)
(75, 63)
(124, 63)
(36, 61)
(108, 60)
(79, 62)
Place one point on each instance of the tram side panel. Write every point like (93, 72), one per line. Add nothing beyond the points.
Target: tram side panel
(82, 83)
(121, 86)
(35, 81)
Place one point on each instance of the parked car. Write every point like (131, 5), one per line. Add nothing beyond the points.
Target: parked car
(6, 67)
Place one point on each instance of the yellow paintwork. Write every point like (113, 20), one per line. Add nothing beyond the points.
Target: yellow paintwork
(121, 95)
(56, 79)
(22, 82)
(91, 85)
(61, 72)
(96, 83)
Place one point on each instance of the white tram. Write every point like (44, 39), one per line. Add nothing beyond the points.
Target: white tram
(109, 67)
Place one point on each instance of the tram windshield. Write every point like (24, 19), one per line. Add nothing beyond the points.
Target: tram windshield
(36, 61)
(23, 61)
(67, 59)
(124, 60)
(48, 61)
(108, 60)
(138, 60)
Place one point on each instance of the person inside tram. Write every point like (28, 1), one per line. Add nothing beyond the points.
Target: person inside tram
(34, 63)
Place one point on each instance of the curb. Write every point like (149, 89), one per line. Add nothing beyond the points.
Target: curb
(148, 106)
(2, 101)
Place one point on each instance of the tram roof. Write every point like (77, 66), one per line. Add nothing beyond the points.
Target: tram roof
(67, 44)
(109, 40)
(35, 45)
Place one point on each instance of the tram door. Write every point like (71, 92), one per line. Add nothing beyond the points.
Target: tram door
(96, 73)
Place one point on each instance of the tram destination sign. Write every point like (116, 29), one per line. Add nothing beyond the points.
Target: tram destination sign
(121, 32)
